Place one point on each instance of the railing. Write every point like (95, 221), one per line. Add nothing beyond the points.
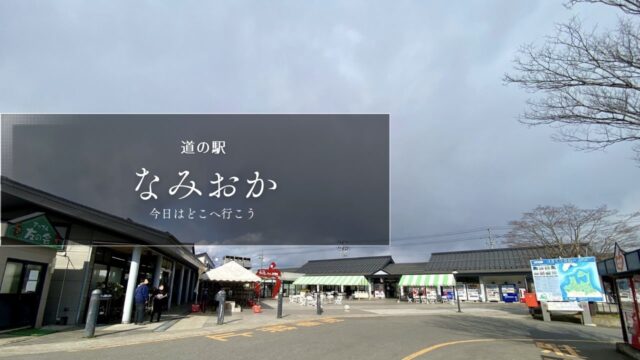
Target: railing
(607, 308)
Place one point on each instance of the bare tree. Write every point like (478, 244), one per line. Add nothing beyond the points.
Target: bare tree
(568, 231)
(586, 83)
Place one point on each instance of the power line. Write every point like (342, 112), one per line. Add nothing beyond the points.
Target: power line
(441, 241)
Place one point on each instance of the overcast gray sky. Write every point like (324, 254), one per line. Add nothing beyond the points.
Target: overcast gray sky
(459, 159)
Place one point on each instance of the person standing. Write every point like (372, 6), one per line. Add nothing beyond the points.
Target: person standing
(204, 299)
(159, 300)
(141, 298)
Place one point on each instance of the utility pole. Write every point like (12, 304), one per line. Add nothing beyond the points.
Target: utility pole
(343, 248)
(490, 242)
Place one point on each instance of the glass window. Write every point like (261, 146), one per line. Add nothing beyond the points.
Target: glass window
(602, 269)
(611, 266)
(167, 264)
(31, 278)
(11, 278)
(633, 262)
(115, 274)
(98, 276)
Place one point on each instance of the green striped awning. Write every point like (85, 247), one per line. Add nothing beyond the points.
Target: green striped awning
(332, 280)
(427, 280)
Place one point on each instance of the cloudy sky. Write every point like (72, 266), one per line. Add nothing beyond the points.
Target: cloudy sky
(460, 161)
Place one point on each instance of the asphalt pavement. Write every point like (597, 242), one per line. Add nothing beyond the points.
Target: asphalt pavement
(409, 334)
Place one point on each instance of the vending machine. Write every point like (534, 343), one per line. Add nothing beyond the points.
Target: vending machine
(509, 293)
(461, 292)
(493, 292)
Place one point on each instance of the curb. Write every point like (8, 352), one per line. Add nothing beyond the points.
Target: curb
(628, 350)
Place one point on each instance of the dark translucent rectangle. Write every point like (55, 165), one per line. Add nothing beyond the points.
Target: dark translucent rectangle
(283, 179)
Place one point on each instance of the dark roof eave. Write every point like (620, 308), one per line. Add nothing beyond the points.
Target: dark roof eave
(129, 228)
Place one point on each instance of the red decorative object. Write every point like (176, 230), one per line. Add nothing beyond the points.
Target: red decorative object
(271, 273)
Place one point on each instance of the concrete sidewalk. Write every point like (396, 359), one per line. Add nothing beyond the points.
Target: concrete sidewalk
(66, 333)
(199, 324)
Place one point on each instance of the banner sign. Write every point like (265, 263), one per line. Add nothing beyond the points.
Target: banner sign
(619, 259)
(570, 279)
(35, 230)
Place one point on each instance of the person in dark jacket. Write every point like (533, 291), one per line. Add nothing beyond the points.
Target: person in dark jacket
(159, 300)
(204, 299)
(141, 298)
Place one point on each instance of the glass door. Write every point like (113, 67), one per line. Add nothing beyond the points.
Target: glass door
(20, 293)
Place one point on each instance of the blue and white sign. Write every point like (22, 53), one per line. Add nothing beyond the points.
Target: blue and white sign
(571, 279)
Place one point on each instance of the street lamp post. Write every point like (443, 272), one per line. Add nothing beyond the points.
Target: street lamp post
(455, 290)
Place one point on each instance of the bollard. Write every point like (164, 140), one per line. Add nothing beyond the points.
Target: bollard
(220, 297)
(279, 313)
(318, 305)
(92, 314)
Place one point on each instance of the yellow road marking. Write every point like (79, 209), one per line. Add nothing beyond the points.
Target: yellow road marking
(571, 351)
(162, 339)
(226, 336)
(277, 328)
(559, 350)
(308, 323)
(331, 320)
(441, 345)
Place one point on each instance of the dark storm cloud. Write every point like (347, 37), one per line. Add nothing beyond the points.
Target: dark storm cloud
(459, 159)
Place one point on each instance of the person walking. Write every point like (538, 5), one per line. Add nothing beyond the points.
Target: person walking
(159, 301)
(141, 298)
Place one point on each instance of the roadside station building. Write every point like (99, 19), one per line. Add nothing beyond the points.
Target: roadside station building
(478, 275)
(98, 250)
(357, 277)
(488, 274)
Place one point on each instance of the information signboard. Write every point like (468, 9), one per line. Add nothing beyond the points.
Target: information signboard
(570, 279)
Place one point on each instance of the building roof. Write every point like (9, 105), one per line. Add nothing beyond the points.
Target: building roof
(418, 268)
(487, 260)
(206, 257)
(15, 193)
(346, 266)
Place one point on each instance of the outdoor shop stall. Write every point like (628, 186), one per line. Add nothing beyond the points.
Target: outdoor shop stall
(426, 287)
(356, 286)
(237, 281)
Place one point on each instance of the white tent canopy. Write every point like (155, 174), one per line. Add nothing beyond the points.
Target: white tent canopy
(231, 271)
